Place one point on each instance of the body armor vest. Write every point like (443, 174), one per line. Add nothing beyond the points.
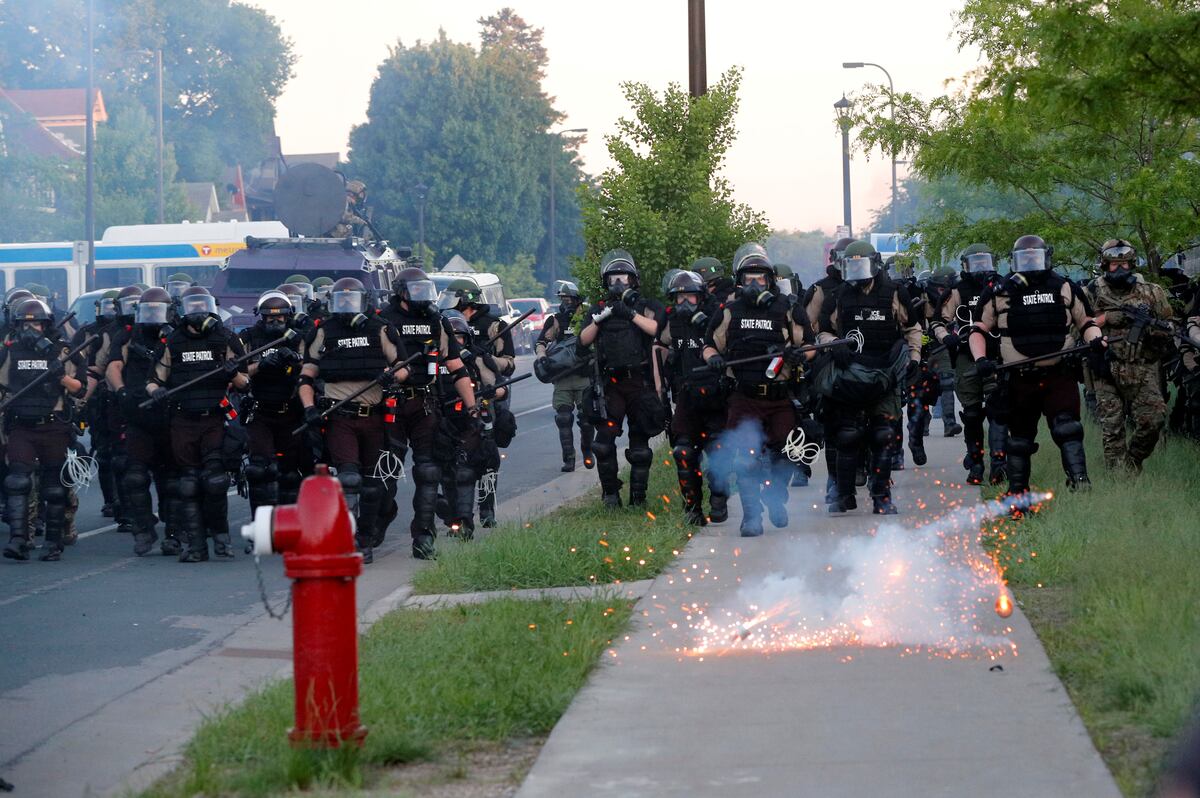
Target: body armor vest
(1037, 321)
(193, 355)
(25, 364)
(755, 330)
(873, 315)
(352, 354)
(145, 348)
(687, 347)
(418, 331)
(273, 387)
(620, 344)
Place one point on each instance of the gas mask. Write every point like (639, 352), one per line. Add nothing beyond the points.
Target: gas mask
(755, 288)
(200, 322)
(1117, 262)
(1121, 278)
(618, 284)
(685, 305)
(568, 305)
(275, 325)
(31, 336)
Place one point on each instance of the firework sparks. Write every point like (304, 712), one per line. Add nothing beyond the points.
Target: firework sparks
(927, 589)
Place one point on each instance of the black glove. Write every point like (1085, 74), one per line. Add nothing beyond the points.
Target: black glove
(985, 367)
(386, 378)
(841, 355)
(230, 368)
(1097, 358)
(270, 360)
(621, 311)
(56, 368)
(794, 356)
(716, 362)
(466, 355)
(952, 342)
(700, 319)
(913, 372)
(312, 416)
(288, 356)
(1098, 344)
(158, 395)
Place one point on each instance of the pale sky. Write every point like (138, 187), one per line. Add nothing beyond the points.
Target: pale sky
(787, 158)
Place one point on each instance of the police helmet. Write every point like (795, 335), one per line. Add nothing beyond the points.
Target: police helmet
(197, 306)
(413, 286)
(837, 250)
(685, 282)
(348, 296)
(667, 277)
(1030, 254)
(274, 304)
(1118, 259)
(566, 288)
(977, 259)
(152, 307)
(618, 261)
(860, 263)
(459, 294)
(751, 257)
(303, 283)
(458, 323)
(32, 309)
(106, 305)
(126, 301)
(709, 269)
(15, 297)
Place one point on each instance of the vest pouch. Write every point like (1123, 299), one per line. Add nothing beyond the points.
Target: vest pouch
(504, 427)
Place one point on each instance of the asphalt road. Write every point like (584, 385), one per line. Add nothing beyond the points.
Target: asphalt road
(81, 632)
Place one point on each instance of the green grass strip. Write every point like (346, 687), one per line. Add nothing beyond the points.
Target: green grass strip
(429, 679)
(581, 543)
(1110, 580)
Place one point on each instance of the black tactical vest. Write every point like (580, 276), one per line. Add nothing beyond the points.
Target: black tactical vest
(418, 332)
(1037, 321)
(145, 348)
(871, 314)
(25, 364)
(273, 388)
(620, 344)
(193, 355)
(687, 347)
(352, 354)
(755, 330)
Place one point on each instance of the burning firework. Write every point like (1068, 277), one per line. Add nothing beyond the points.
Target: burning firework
(928, 588)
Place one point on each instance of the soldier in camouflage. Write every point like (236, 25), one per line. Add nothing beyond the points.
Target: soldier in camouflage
(1129, 398)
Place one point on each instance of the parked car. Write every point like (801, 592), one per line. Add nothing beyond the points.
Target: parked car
(526, 333)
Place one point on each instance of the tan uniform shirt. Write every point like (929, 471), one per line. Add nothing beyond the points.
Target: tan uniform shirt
(994, 314)
(312, 349)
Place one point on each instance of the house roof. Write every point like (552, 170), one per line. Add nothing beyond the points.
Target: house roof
(202, 197)
(58, 106)
(21, 133)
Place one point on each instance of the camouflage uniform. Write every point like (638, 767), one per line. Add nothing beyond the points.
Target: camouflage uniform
(1132, 394)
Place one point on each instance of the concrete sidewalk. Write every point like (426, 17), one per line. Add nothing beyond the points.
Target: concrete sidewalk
(841, 720)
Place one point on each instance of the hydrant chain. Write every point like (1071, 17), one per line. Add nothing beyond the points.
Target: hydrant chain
(262, 592)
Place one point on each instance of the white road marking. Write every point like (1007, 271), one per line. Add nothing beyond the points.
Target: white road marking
(532, 410)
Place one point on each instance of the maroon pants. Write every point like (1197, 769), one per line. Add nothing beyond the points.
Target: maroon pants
(44, 444)
(775, 417)
(355, 440)
(1040, 392)
(196, 438)
(270, 437)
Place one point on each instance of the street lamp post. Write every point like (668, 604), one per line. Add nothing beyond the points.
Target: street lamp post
(421, 190)
(553, 253)
(842, 109)
(892, 104)
(89, 143)
(159, 69)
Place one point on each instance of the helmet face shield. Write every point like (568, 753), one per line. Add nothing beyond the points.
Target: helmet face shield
(151, 312)
(298, 302)
(447, 301)
(175, 288)
(1121, 253)
(980, 263)
(108, 308)
(421, 291)
(857, 269)
(126, 305)
(198, 304)
(1029, 260)
(346, 302)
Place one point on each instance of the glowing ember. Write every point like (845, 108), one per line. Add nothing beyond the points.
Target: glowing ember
(1004, 606)
(651, 516)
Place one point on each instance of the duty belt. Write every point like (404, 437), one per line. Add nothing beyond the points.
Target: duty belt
(770, 391)
(275, 410)
(357, 409)
(630, 372)
(18, 421)
(413, 391)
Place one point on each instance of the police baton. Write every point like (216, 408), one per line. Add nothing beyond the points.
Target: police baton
(290, 335)
(1074, 350)
(508, 327)
(491, 389)
(45, 374)
(342, 402)
(769, 355)
(64, 320)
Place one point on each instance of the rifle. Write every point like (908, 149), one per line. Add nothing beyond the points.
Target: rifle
(39, 378)
(491, 389)
(290, 335)
(599, 403)
(371, 384)
(1143, 319)
(663, 396)
(770, 355)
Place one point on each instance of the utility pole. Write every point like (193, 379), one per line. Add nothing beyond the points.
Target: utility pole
(892, 107)
(697, 62)
(421, 190)
(159, 68)
(89, 138)
(842, 109)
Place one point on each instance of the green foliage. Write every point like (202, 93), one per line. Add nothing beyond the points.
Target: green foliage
(224, 65)
(472, 127)
(1110, 585)
(1054, 123)
(432, 682)
(518, 277)
(127, 172)
(40, 199)
(665, 201)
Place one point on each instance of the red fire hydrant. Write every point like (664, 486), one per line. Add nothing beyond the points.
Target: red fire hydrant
(316, 537)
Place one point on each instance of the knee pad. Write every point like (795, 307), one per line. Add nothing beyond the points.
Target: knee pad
(972, 414)
(372, 490)
(350, 479)
(604, 448)
(426, 472)
(260, 469)
(464, 474)
(686, 456)
(215, 483)
(563, 418)
(1021, 447)
(137, 477)
(189, 484)
(639, 455)
(1065, 428)
(19, 480)
(882, 435)
(849, 437)
(51, 487)
(120, 458)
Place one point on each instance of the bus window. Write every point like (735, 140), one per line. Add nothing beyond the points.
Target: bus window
(54, 279)
(202, 273)
(3, 281)
(119, 277)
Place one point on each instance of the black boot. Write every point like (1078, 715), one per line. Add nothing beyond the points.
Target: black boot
(17, 485)
(564, 421)
(487, 505)
(718, 507)
(191, 521)
(1074, 463)
(950, 427)
(587, 433)
(997, 440)
(56, 514)
(750, 480)
(639, 456)
(916, 438)
(691, 485)
(1020, 463)
(423, 546)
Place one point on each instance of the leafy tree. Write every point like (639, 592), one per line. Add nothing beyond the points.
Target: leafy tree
(41, 199)
(127, 172)
(472, 127)
(224, 65)
(665, 201)
(1085, 165)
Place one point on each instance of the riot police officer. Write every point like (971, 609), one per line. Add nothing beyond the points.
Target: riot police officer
(700, 400)
(37, 427)
(950, 327)
(273, 466)
(304, 324)
(147, 450)
(760, 414)
(860, 389)
(1037, 313)
(201, 346)
(350, 351)
(570, 390)
(814, 301)
(622, 328)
